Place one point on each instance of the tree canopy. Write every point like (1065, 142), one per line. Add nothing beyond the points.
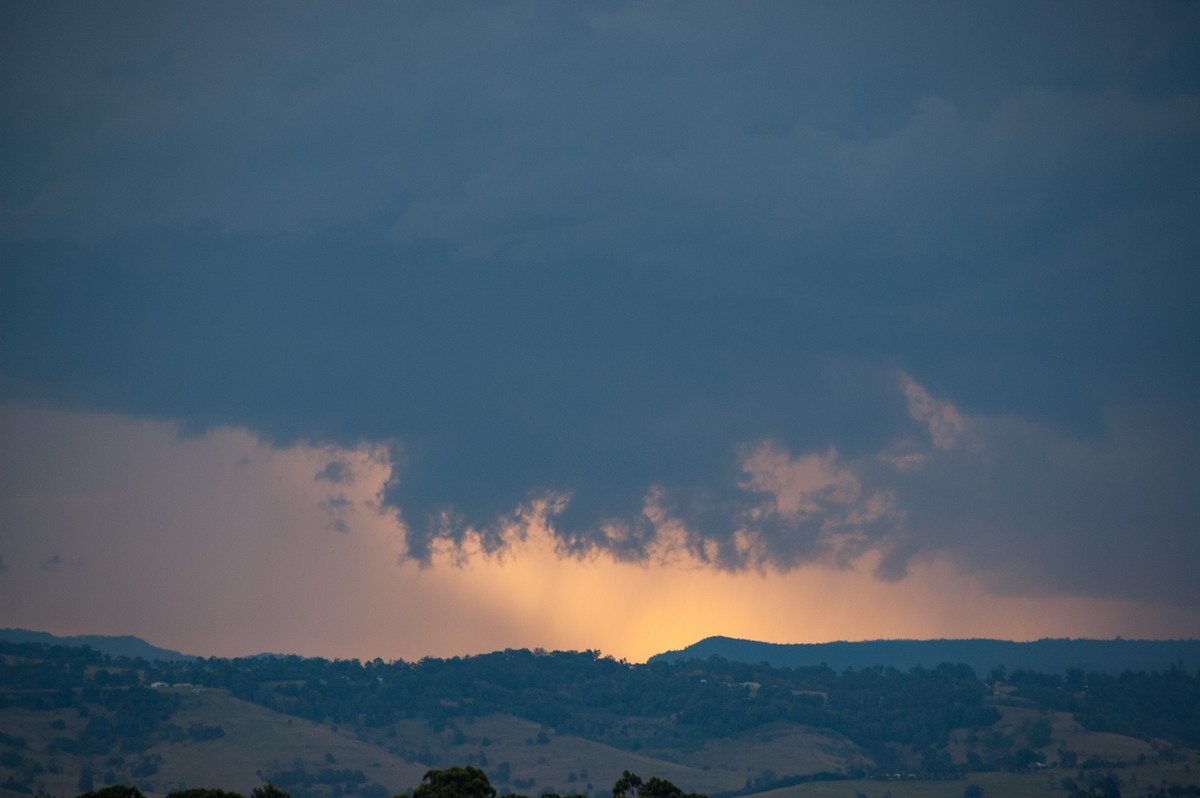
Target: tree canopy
(455, 782)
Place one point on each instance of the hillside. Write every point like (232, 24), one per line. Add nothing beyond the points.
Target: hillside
(112, 645)
(571, 722)
(117, 727)
(1047, 656)
(258, 744)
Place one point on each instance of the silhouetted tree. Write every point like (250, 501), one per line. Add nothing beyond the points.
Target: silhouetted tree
(205, 792)
(269, 790)
(628, 786)
(115, 791)
(455, 782)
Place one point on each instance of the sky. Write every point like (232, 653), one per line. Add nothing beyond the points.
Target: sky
(429, 329)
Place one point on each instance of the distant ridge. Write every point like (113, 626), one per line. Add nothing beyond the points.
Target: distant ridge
(113, 645)
(1046, 656)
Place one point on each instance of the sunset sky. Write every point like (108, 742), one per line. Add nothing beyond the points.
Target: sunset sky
(425, 329)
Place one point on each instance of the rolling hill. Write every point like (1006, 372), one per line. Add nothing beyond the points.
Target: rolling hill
(112, 645)
(73, 719)
(1047, 656)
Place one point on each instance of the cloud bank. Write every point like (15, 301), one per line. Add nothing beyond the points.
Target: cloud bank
(1017, 507)
(748, 293)
(1028, 509)
(223, 545)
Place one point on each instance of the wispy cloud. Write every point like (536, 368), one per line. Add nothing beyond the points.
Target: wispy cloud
(946, 425)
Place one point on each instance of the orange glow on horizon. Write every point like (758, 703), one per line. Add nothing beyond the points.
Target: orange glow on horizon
(222, 545)
(634, 610)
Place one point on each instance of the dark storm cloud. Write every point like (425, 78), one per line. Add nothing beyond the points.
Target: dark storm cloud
(615, 254)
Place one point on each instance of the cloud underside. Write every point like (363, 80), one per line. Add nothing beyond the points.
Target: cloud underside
(1024, 509)
(945, 532)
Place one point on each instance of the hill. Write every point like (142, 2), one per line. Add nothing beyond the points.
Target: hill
(112, 645)
(1047, 656)
(570, 722)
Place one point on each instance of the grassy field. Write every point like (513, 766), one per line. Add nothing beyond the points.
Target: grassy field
(256, 740)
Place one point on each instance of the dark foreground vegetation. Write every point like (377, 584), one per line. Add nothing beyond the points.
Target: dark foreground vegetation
(470, 782)
(922, 723)
(453, 782)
